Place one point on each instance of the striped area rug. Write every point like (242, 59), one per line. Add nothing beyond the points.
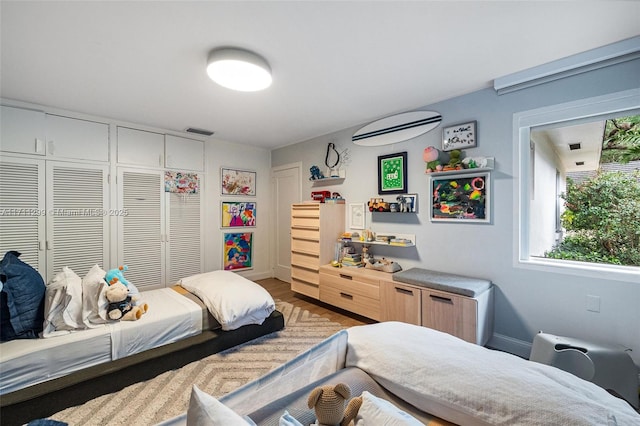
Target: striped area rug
(167, 395)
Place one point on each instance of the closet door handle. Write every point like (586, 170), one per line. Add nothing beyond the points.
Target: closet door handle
(346, 277)
(39, 146)
(404, 291)
(346, 296)
(440, 298)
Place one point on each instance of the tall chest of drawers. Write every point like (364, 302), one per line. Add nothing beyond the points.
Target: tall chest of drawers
(315, 228)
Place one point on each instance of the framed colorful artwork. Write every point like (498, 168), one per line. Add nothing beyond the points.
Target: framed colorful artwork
(460, 198)
(181, 182)
(238, 251)
(237, 182)
(392, 174)
(238, 214)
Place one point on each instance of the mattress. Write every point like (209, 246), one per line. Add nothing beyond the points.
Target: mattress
(171, 317)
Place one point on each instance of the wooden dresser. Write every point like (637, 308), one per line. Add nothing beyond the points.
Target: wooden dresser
(437, 303)
(376, 295)
(353, 289)
(315, 228)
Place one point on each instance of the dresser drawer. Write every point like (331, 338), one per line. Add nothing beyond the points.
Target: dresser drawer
(305, 210)
(305, 222)
(305, 234)
(350, 284)
(303, 274)
(305, 261)
(305, 246)
(308, 289)
(362, 275)
(351, 301)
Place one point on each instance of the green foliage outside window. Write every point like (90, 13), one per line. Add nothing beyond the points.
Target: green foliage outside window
(602, 219)
(621, 142)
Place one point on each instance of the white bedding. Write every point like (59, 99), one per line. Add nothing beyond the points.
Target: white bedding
(26, 362)
(171, 317)
(471, 385)
(440, 374)
(233, 300)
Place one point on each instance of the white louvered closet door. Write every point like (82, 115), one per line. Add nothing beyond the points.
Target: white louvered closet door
(184, 255)
(77, 217)
(22, 209)
(141, 231)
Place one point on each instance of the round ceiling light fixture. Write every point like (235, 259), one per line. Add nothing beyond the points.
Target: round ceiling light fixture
(238, 69)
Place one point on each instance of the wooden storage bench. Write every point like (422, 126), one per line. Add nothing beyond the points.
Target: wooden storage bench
(458, 305)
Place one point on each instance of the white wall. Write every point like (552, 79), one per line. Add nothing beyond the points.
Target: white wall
(542, 215)
(224, 154)
(527, 300)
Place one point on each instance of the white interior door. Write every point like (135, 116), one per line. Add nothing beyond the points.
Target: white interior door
(286, 191)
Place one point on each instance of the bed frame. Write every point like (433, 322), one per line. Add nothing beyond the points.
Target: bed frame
(47, 398)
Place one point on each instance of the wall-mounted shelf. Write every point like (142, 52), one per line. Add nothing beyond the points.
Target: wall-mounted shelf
(411, 238)
(327, 181)
(489, 167)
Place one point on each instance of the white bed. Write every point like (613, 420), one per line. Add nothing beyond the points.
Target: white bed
(172, 317)
(224, 301)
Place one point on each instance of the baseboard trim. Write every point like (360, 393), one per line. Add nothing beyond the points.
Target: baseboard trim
(514, 346)
(253, 276)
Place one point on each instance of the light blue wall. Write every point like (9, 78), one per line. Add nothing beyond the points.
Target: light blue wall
(527, 301)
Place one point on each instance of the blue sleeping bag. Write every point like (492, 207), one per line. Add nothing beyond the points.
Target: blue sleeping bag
(21, 299)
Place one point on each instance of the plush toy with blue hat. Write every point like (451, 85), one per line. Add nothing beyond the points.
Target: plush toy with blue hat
(117, 275)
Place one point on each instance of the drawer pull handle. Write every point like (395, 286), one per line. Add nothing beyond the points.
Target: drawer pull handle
(404, 291)
(346, 296)
(346, 277)
(440, 298)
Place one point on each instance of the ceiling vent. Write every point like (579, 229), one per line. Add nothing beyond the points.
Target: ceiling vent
(199, 131)
(574, 146)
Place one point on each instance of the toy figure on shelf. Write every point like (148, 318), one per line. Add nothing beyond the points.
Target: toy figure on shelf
(430, 156)
(316, 173)
(454, 161)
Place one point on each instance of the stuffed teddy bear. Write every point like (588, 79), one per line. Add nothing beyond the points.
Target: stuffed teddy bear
(328, 403)
(120, 306)
(115, 275)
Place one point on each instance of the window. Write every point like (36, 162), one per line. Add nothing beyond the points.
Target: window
(546, 154)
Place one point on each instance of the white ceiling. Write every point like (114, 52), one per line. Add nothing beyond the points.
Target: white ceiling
(588, 135)
(335, 64)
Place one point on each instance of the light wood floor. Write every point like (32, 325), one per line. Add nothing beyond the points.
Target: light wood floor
(282, 290)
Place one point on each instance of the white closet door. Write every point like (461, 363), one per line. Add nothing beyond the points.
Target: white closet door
(22, 130)
(184, 256)
(141, 230)
(77, 217)
(22, 210)
(74, 138)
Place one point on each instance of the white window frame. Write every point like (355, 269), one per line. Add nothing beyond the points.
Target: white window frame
(583, 109)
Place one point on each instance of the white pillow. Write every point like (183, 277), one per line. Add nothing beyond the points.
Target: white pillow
(63, 304)
(232, 299)
(288, 420)
(94, 299)
(205, 410)
(377, 411)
